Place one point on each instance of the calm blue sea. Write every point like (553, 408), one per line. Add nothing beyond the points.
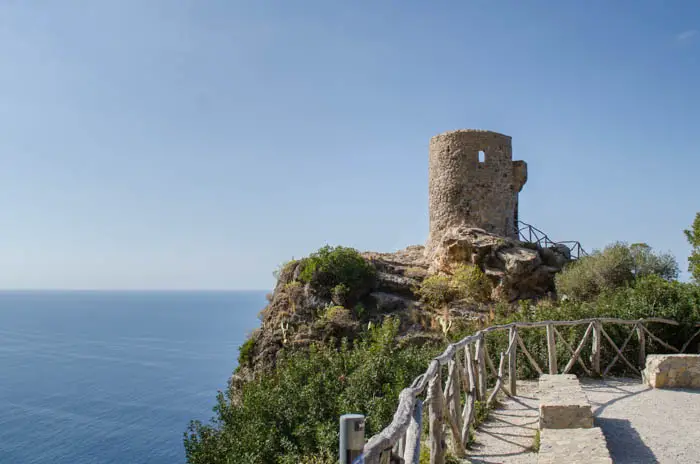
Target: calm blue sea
(113, 377)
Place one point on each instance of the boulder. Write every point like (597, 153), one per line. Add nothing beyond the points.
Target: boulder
(519, 270)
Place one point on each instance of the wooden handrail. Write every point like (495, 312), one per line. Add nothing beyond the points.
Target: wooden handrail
(531, 234)
(470, 370)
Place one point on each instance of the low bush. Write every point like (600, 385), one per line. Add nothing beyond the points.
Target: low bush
(436, 291)
(614, 267)
(467, 283)
(245, 352)
(650, 296)
(291, 415)
(337, 269)
(471, 284)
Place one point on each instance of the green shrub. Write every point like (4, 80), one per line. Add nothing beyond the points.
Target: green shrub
(436, 291)
(614, 267)
(467, 283)
(646, 297)
(337, 268)
(291, 415)
(333, 312)
(360, 311)
(470, 283)
(245, 352)
(340, 294)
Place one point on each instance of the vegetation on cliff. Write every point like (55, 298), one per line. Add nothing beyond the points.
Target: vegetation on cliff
(346, 332)
(290, 415)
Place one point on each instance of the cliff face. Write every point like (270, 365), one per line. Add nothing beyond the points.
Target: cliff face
(302, 310)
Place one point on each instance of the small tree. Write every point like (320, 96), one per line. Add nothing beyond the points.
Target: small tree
(693, 236)
(616, 266)
(646, 263)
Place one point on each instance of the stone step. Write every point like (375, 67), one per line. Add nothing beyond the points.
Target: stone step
(563, 404)
(573, 446)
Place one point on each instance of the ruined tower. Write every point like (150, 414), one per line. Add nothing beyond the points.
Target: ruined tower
(473, 181)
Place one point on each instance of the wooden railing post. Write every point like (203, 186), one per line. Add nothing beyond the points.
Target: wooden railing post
(468, 412)
(453, 410)
(552, 349)
(435, 419)
(512, 367)
(411, 454)
(481, 367)
(595, 350)
(642, 346)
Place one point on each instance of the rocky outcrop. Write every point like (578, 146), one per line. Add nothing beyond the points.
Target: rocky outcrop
(300, 314)
(519, 270)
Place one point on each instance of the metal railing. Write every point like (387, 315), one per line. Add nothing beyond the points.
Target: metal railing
(468, 366)
(531, 234)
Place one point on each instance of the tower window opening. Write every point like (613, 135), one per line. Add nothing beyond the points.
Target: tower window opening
(482, 156)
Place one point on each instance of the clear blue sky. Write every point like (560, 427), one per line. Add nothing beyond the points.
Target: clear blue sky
(197, 144)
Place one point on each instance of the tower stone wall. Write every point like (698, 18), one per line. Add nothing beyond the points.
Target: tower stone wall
(473, 181)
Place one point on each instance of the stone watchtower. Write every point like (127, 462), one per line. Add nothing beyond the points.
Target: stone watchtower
(473, 181)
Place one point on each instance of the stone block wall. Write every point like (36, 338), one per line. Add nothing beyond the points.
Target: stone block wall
(672, 371)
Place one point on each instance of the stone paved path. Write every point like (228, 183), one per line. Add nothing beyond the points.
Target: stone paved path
(641, 425)
(507, 436)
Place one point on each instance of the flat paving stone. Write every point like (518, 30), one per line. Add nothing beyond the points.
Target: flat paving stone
(563, 404)
(573, 446)
(641, 425)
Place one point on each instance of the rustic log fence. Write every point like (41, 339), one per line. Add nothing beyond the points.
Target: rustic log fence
(468, 365)
(531, 234)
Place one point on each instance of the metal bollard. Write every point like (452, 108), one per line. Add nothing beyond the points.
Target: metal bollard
(352, 437)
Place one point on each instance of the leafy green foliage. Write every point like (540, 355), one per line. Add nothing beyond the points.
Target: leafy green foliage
(616, 266)
(693, 236)
(436, 291)
(337, 269)
(291, 415)
(645, 262)
(650, 296)
(245, 352)
(470, 283)
(467, 283)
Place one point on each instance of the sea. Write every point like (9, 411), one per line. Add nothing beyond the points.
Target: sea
(113, 377)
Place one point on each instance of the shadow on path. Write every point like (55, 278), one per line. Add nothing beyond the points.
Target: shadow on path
(624, 443)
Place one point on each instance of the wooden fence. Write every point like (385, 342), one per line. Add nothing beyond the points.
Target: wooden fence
(468, 365)
(531, 234)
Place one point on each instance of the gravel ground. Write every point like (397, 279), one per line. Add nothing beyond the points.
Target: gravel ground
(644, 425)
(641, 425)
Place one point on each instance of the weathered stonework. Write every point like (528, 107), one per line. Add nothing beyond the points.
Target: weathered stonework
(672, 371)
(573, 446)
(563, 404)
(464, 190)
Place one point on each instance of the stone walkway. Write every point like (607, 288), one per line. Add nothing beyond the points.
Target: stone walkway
(508, 434)
(641, 425)
(644, 425)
